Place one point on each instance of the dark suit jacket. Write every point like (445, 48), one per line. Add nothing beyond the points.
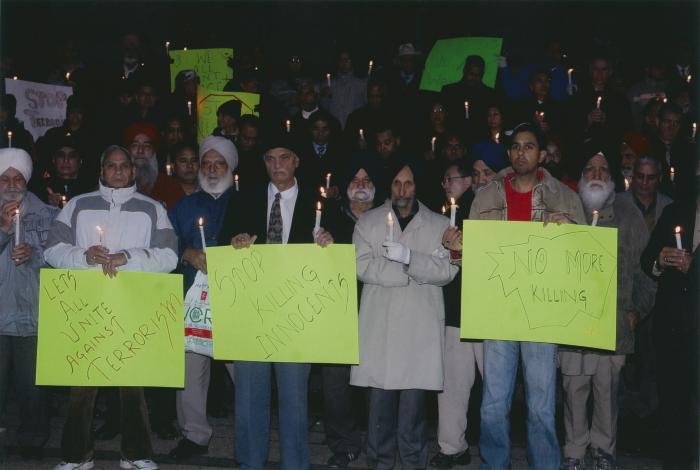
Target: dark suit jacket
(313, 169)
(248, 214)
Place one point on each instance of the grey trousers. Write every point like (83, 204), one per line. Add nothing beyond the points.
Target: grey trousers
(462, 358)
(191, 401)
(602, 374)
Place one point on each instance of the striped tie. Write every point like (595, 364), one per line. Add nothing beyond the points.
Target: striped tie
(274, 227)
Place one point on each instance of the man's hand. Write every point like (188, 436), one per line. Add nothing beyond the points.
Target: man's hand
(596, 117)
(97, 254)
(7, 214)
(322, 237)
(54, 198)
(22, 253)
(115, 260)
(397, 252)
(557, 218)
(243, 240)
(452, 239)
(674, 258)
(197, 258)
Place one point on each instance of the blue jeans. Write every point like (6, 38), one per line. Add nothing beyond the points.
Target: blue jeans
(252, 433)
(539, 373)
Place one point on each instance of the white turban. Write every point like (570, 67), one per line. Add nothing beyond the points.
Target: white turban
(18, 159)
(223, 146)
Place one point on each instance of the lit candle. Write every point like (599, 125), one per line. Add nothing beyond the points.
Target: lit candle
(167, 47)
(288, 125)
(594, 222)
(570, 73)
(322, 190)
(444, 210)
(672, 174)
(9, 138)
(100, 235)
(597, 102)
(466, 110)
(497, 137)
(362, 134)
(627, 184)
(695, 130)
(390, 226)
(432, 143)
(665, 100)
(235, 181)
(677, 233)
(369, 71)
(690, 77)
(328, 80)
(17, 227)
(67, 76)
(453, 212)
(184, 49)
(201, 233)
(318, 217)
(15, 77)
(541, 115)
(63, 201)
(169, 169)
(328, 181)
(189, 108)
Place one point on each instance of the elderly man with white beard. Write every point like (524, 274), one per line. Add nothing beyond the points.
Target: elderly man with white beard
(218, 159)
(583, 369)
(21, 257)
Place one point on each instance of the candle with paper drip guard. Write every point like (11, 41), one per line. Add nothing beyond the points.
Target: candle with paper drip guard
(9, 138)
(169, 169)
(569, 73)
(594, 222)
(16, 226)
(317, 226)
(100, 235)
(288, 126)
(390, 227)
(432, 144)
(328, 181)
(672, 174)
(369, 70)
(328, 80)
(466, 110)
(677, 233)
(695, 130)
(235, 182)
(189, 108)
(200, 222)
(453, 212)
(597, 102)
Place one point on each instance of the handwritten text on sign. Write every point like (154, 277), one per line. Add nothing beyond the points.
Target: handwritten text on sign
(39, 106)
(284, 303)
(526, 282)
(211, 66)
(97, 331)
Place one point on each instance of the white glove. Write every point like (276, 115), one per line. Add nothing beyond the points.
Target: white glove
(397, 252)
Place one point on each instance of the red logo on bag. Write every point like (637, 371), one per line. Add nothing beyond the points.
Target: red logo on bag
(203, 297)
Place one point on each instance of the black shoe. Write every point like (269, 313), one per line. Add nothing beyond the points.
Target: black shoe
(187, 449)
(165, 430)
(342, 459)
(107, 431)
(448, 461)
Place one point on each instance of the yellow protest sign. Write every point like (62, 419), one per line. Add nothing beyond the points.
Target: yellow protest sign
(284, 303)
(522, 281)
(101, 331)
(208, 102)
(211, 66)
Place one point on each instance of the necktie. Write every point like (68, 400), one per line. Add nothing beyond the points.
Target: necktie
(321, 150)
(274, 227)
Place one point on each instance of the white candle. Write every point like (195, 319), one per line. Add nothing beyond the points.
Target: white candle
(677, 233)
(67, 76)
(9, 138)
(690, 77)
(17, 227)
(594, 222)
(466, 110)
(498, 137)
(235, 182)
(627, 184)
(390, 225)
(328, 181)
(569, 73)
(597, 102)
(100, 235)
(453, 212)
(322, 190)
(672, 174)
(169, 169)
(328, 80)
(695, 130)
(432, 143)
(201, 233)
(189, 108)
(167, 47)
(288, 125)
(369, 71)
(362, 134)
(444, 210)
(63, 201)
(318, 217)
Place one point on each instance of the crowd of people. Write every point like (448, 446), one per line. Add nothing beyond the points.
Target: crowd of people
(549, 143)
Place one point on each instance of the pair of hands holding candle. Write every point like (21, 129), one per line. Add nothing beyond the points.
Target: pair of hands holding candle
(98, 254)
(243, 240)
(22, 252)
(671, 257)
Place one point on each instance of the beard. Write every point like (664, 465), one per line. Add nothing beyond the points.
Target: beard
(361, 195)
(595, 194)
(214, 184)
(12, 195)
(402, 202)
(146, 172)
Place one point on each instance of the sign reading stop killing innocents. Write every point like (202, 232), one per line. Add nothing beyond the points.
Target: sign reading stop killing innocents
(101, 331)
(522, 281)
(39, 106)
(284, 303)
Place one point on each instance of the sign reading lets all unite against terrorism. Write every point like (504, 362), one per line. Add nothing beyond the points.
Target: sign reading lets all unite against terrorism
(39, 106)
(522, 281)
(284, 303)
(101, 331)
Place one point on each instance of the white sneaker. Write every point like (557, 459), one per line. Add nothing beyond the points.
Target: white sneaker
(87, 465)
(143, 464)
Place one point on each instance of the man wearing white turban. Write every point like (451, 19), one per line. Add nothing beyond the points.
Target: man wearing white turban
(21, 257)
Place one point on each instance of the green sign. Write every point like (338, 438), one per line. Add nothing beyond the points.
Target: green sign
(101, 331)
(445, 62)
(211, 66)
(284, 303)
(522, 281)
(208, 102)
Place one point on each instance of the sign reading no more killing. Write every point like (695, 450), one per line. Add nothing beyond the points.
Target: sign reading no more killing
(522, 281)
(101, 331)
(284, 303)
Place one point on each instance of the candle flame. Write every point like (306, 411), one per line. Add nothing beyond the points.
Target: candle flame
(444, 209)
(597, 103)
(677, 229)
(67, 75)
(235, 177)
(328, 76)
(498, 135)
(389, 218)
(432, 141)
(466, 105)
(627, 184)
(184, 49)
(17, 212)
(695, 126)
(167, 43)
(452, 201)
(328, 176)
(371, 63)
(673, 171)
(15, 77)
(9, 134)
(318, 206)
(665, 100)
(201, 222)
(595, 213)
(690, 77)
(322, 191)
(570, 71)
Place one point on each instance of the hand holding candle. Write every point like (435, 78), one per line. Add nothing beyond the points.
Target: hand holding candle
(453, 212)
(201, 233)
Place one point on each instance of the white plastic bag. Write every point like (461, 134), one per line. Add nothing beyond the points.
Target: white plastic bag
(198, 337)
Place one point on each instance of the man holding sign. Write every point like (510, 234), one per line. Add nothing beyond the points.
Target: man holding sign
(522, 192)
(279, 212)
(112, 229)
